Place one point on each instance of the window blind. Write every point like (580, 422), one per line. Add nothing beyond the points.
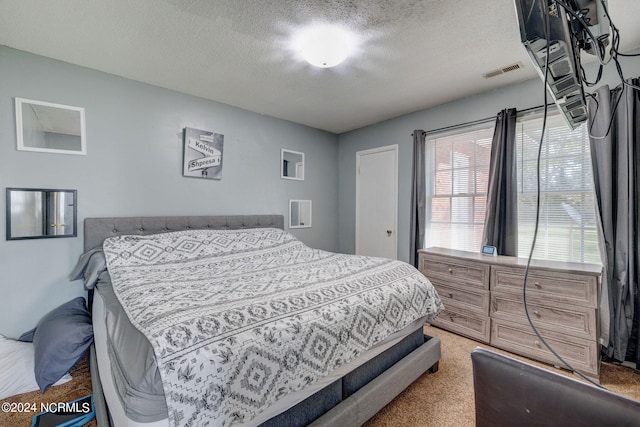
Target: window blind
(567, 226)
(457, 170)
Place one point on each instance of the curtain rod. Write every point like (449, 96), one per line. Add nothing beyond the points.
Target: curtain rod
(481, 121)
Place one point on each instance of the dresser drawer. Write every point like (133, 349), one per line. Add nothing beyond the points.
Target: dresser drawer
(472, 299)
(460, 321)
(562, 301)
(563, 288)
(571, 320)
(519, 338)
(454, 270)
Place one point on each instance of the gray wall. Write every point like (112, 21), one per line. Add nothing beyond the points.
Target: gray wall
(398, 131)
(134, 167)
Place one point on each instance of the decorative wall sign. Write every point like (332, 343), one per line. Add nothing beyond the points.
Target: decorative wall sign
(202, 154)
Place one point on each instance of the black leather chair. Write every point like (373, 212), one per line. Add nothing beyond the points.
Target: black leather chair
(512, 393)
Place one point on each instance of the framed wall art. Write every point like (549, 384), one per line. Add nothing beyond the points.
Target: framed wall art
(203, 151)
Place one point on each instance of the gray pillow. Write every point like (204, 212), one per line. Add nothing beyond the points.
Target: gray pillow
(60, 340)
(89, 266)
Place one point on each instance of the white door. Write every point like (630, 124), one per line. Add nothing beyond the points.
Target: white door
(377, 202)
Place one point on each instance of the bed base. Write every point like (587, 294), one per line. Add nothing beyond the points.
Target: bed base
(352, 409)
(375, 395)
(361, 393)
(99, 401)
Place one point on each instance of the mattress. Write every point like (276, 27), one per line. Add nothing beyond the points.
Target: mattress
(153, 307)
(132, 361)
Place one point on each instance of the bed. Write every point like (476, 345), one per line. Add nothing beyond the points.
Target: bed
(168, 368)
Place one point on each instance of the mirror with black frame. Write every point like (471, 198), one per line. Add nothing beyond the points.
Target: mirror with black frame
(37, 213)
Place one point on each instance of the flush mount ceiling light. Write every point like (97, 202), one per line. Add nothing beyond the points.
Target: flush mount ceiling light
(325, 46)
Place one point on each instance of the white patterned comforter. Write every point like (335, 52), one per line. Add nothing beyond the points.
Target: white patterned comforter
(240, 318)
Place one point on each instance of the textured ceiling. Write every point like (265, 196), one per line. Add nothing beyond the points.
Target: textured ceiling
(412, 54)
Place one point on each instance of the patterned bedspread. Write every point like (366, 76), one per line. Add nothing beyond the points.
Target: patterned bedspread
(240, 318)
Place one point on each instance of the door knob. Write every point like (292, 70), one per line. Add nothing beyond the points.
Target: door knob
(389, 232)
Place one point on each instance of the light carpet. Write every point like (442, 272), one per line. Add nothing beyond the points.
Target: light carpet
(445, 398)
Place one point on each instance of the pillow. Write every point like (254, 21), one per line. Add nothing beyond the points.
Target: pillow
(89, 266)
(17, 368)
(60, 339)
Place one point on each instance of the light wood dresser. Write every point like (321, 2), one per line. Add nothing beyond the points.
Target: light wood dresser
(483, 297)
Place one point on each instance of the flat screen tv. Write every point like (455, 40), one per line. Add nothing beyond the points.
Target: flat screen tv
(573, 26)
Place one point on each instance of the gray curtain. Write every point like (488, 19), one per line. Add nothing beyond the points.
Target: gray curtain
(614, 124)
(418, 197)
(501, 218)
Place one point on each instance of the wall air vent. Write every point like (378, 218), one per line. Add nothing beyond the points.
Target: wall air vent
(503, 70)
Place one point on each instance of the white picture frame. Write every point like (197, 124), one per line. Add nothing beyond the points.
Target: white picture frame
(47, 127)
(300, 213)
(291, 165)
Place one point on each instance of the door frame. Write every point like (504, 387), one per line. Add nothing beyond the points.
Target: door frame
(359, 154)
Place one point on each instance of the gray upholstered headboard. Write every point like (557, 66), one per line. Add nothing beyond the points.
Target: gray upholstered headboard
(98, 229)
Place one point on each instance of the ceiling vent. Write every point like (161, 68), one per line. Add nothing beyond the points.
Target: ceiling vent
(503, 70)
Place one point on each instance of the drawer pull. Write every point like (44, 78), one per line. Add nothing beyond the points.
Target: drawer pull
(450, 270)
(450, 295)
(537, 343)
(536, 313)
(537, 285)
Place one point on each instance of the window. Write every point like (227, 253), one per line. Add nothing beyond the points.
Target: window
(457, 169)
(567, 227)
